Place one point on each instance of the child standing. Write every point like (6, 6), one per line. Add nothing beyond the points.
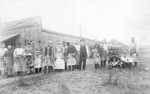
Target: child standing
(97, 59)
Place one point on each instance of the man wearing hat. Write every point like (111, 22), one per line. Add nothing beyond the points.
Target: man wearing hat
(84, 52)
(49, 57)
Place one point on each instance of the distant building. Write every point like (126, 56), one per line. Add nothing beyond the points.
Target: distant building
(124, 48)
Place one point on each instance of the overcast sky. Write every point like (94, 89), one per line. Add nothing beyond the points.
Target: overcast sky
(98, 19)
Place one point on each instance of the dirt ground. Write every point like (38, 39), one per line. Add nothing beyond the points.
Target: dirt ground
(90, 81)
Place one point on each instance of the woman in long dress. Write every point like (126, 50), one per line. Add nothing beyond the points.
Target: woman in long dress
(2, 63)
(38, 57)
(71, 57)
(9, 61)
(20, 65)
(96, 58)
(77, 55)
(59, 63)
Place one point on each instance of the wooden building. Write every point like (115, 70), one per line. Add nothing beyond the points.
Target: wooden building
(30, 29)
(49, 35)
(21, 31)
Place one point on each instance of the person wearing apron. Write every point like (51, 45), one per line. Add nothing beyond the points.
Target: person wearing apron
(2, 62)
(71, 57)
(20, 64)
(97, 54)
(9, 61)
(38, 57)
(77, 55)
(104, 54)
(133, 47)
(66, 45)
(133, 50)
(59, 63)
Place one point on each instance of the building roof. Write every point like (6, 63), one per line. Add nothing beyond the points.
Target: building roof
(115, 42)
(3, 38)
(58, 33)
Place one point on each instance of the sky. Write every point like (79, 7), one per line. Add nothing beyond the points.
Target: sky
(96, 19)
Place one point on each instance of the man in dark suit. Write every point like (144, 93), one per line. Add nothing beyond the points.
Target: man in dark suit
(84, 52)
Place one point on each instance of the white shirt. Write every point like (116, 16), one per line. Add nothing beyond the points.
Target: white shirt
(133, 46)
(105, 47)
(19, 51)
(77, 47)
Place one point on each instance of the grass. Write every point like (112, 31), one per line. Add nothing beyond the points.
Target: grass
(103, 81)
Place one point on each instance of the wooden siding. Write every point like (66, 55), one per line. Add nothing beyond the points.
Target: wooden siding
(29, 29)
(55, 36)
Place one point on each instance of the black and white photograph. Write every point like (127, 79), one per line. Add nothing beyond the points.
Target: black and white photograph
(74, 46)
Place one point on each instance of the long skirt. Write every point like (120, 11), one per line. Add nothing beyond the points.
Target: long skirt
(38, 61)
(20, 64)
(2, 66)
(97, 60)
(9, 65)
(59, 63)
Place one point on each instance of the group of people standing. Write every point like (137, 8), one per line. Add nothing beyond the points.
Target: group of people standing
(52, 57)
(103, 53)
(58, 57)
